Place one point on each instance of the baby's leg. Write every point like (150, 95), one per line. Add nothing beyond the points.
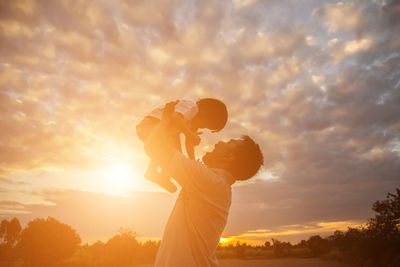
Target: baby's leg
(154, 176)
(151, 171)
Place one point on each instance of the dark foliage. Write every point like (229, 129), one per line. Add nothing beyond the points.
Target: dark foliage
(46, 242)
(375, 244)
(10, 231)
(9, 236)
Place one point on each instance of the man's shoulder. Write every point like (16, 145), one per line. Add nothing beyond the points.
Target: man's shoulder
(224, 176)
(198, 172)
(180, 158)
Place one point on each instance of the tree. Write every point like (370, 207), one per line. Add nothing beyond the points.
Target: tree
(240, 250)
(317, 245)
(123, 247)
(148, 251)
(46, 242)
(9, 235)
(378, 242)
(384, 230)
(386, 222)
(302, 244)
(10, 232)
(280, 249)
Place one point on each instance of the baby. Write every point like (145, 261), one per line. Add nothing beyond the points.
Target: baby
(206, 113)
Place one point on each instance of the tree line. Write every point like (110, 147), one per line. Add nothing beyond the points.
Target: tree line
(376, 243)
(48, 242)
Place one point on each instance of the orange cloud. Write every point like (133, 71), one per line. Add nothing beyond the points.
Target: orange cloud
(341, 16)
(289, 232)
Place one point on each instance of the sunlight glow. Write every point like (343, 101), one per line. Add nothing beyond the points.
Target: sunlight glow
(120, 178)
(225, 240)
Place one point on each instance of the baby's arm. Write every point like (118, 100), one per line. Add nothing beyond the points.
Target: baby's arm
(190, 135)
(192, 138)
(190, 147)
(189, 150)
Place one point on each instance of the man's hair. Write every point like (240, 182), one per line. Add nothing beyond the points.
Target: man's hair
(214, 112)
(248, 159)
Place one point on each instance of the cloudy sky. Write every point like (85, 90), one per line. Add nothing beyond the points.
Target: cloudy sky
(315, 83)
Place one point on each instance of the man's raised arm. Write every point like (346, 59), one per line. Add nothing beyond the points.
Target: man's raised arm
(158, 146)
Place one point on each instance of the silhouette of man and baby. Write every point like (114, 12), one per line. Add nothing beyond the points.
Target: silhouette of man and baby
(199, 216)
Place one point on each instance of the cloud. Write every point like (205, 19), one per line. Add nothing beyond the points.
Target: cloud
(290, 232)
(341, 16)
(8, 181)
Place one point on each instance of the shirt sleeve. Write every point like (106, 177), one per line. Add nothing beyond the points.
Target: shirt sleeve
(192, 175)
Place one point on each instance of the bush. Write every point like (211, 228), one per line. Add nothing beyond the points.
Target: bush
(47, 242)
(300, 253)
(334, 254)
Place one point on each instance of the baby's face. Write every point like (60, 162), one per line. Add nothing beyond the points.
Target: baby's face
(205, 124)
(200, 124)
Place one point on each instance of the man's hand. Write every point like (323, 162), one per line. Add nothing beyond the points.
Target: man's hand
(190, 143)
(169, 109)
(193, 138)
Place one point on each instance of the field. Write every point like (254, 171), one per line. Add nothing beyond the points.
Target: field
(277, 263)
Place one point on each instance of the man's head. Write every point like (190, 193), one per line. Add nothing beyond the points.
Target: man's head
(241, 157)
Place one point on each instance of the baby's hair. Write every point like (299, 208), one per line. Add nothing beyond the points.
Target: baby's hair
(214, 112)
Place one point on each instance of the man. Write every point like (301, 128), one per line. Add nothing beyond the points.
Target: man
(201, 209)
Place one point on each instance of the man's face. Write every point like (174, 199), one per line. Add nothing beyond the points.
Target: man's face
(222, 154)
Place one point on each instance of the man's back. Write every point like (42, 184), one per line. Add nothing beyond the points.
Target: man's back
(199, 215)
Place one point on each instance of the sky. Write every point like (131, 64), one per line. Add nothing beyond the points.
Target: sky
(315, 83)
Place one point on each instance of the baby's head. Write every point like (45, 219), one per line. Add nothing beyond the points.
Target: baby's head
(212, 114)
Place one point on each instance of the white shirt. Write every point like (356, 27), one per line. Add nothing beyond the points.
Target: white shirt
(199, 216)
(187, 108)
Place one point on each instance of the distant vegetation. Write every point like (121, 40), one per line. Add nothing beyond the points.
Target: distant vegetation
(377, 243)
(48, 242)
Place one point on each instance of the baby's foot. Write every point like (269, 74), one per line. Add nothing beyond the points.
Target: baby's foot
(167, 185)
(152, 175)
(161, 180)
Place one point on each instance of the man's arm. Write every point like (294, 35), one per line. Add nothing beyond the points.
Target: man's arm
(185, 171)
(191, 142)
(189, 149)
(158, 147)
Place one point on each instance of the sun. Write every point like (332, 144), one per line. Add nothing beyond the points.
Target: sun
(120, 172)
(225, 240)
(120, 176)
